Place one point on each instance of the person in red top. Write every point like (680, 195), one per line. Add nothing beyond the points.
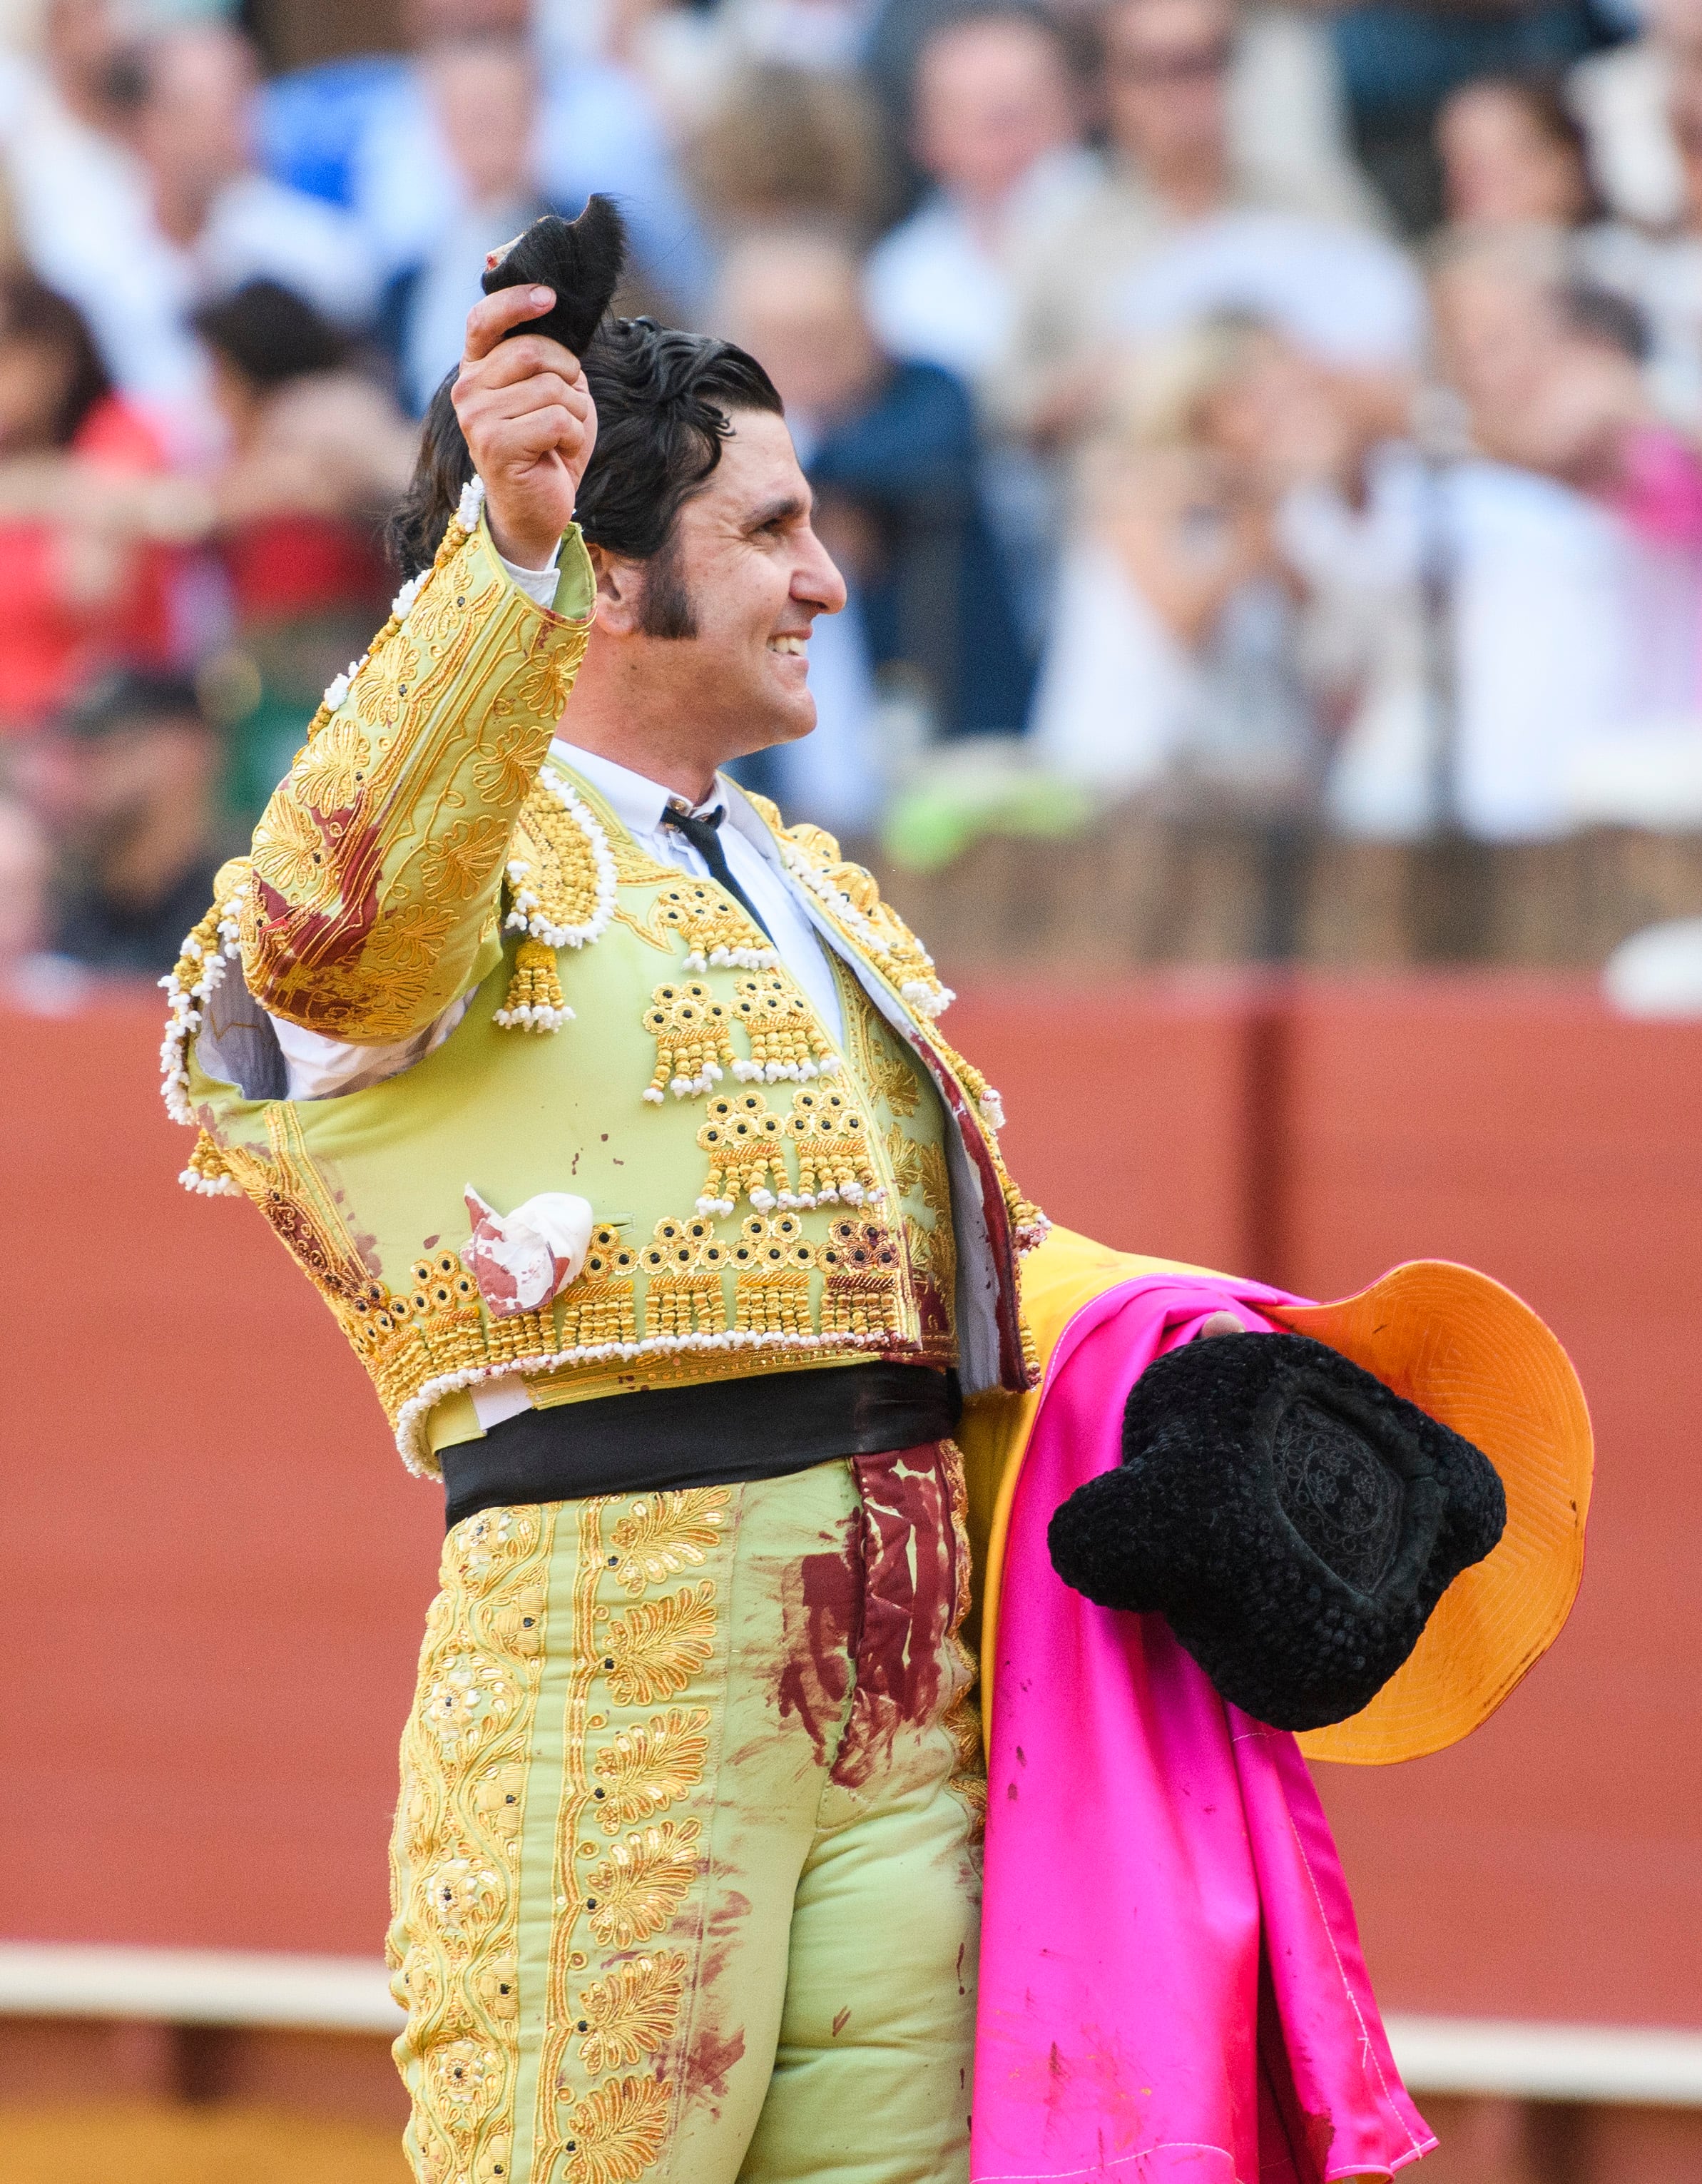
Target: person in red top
(81, 591)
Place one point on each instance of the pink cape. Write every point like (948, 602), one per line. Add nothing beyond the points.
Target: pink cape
(1171, 1983)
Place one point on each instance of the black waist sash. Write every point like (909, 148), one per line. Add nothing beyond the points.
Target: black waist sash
(714, 1434)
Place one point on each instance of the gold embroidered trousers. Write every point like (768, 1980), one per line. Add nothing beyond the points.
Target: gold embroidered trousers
(686, 1862)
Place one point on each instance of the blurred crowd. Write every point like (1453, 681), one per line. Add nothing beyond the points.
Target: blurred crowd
(1285, 411)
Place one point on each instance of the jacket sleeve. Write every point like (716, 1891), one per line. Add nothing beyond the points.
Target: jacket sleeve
(378, 864)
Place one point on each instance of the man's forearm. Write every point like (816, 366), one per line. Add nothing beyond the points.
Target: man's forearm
(378, 864)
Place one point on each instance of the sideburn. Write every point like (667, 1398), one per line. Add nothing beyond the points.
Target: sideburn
(667, 611)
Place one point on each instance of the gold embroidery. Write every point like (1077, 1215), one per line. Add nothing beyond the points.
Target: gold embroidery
(409, 939)
(455, 1849)
(683, 1294)
(851, 896)
(863, 1293)
(502, 773)
(623, 1896)
(745, 1148)
(289, 1191)
(659, 1646)
(290, 852)
(786, 1040)
(649, 1769)
(904, 1159)
(632, 2012)
(586, 1655)
(561, 873)
(458, 862)
(771, 1263)
(660, 1537)
(962, 1719)
(370, 901)
(330, 770)
(620, 2130)
(534, 998)
(833, 1161)
(694, 1046)
(600, 1305)
(891, 1078)
(714, 929)
(635, 1889)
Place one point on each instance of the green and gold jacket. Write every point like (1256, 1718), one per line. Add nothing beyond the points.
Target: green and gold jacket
(706, 1183)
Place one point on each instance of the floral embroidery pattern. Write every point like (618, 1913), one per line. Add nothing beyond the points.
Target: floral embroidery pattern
(636, 1889)
(620, 2131)
(647, 1768)
(455, 1849)
(657, 1648)
(665, 1534)
(624, 2016)
(367, 911)
(632, 2012)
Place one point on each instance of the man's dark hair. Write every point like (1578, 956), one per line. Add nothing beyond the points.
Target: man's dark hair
(664, 401)
(32, 312)
(269, 334)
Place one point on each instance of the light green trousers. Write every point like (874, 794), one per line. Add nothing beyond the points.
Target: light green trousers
(684, 1866)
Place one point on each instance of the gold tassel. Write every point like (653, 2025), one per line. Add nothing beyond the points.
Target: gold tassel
(535, 1001)
(207, 1173)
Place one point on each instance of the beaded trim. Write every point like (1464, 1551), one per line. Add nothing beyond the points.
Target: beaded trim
(929, 997)
(529, 913)
(199, 968)
(573, 835)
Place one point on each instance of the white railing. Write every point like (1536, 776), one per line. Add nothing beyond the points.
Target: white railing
(1607, 2062)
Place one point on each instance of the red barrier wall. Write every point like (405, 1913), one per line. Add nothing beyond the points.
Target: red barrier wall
(213, 1570)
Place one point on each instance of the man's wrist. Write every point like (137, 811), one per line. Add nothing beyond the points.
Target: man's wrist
(535, 550)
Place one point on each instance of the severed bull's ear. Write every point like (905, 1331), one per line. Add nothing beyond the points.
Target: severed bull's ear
(581, 260)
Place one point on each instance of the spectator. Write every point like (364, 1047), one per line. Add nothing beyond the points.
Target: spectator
(995, 126)
(890, 450)
(364, 134)
(786, 144)
(209, 222)
(1176, 231)
(1400, 59)
(77, 591)
(483, 94)
(1661, 275)
(1624, 99)
(1573, 539)
(1173, 649)
(317, 454)
(63, 152)
(143, 820)
(1514, 155)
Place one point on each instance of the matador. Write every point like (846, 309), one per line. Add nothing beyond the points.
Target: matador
(612, 1118)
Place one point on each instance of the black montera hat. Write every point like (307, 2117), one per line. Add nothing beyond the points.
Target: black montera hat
(1294, 1520)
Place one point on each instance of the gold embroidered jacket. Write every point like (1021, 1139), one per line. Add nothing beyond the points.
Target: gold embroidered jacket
(754, 1195)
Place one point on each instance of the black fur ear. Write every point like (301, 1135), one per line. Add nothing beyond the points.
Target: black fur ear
(581, 260)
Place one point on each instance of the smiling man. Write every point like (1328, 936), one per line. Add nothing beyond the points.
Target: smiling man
(608, 1115)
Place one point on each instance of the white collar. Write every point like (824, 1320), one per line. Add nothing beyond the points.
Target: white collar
(638, 803)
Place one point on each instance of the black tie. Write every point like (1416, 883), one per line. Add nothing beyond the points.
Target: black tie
(704, 836)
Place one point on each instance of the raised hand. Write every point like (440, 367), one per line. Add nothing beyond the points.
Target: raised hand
(530, 424)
